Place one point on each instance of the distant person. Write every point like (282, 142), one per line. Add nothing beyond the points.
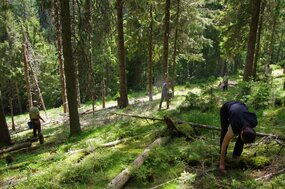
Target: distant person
(225, 82)
(35, 119)
(165, 94)
(268, 71)
(235, 120)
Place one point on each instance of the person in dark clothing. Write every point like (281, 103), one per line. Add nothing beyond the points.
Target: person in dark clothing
(165, 94)
(235, 120)
(225, 82)
(35, 119)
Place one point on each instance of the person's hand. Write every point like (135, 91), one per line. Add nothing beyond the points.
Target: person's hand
(222, 169)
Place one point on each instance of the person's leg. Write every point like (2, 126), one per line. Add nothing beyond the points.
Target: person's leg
(161, 100)
(34, 129)
(238, 147)
(224, 124)
(167, 102)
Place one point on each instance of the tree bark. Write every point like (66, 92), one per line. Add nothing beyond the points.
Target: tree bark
(121, 55)
(69, 68)
(165, 41)
(273, 32)
(251, 39)
(150, 50)
(103, 88)
(59, 57)
(175, 46)
(37, 87)
(27, 77)
(18, 98)
(12, 113)
(4, 131)
(256, 54)
(120, 180)
(73, 43)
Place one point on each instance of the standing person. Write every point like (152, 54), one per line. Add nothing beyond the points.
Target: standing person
(35, 119)
(165, 94)
(225, 82)
(235, 120)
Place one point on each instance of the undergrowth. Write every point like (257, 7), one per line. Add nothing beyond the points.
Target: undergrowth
(184, 162)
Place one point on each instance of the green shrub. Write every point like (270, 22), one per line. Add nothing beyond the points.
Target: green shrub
(261, 96)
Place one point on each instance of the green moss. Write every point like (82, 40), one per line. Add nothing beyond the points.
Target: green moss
(259, 161)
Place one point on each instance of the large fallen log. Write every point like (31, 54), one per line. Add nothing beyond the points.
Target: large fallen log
(197, 125)
(16, 147)
(120, 180)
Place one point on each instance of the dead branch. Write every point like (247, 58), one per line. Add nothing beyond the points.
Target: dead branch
(270, 175)
(120, 180)
(140, 117)
(158, 186)
(105, 145)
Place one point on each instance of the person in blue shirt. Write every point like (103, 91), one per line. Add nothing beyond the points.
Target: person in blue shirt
(236, 120)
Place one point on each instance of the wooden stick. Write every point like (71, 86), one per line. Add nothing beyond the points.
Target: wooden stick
(270, 175)
(120, 180)
(158, 186)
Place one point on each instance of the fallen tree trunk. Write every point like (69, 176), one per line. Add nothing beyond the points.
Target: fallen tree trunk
(197, 125)
(120, 180)
(16, 147)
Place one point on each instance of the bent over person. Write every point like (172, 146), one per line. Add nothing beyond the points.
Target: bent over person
(235, 120)
(35, 119)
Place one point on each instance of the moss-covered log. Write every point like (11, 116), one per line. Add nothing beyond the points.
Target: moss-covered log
(120, 180)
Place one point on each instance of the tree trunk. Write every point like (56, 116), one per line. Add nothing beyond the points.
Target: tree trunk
(12, 113)
(251, 39)
(16, 147)
(175, 46)
(121, 55)
(165, 41)
(69, 68)
(275, 18)
(27, 77)
(120, 180)
(4, 131)
(75, 62)
(37, 87)
(60, 58)
(224, 68)
(256, 54)
(103, 94)
(18, 98)
(150, 50)
(279, 47)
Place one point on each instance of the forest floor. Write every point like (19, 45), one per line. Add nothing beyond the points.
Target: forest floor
(184, 162)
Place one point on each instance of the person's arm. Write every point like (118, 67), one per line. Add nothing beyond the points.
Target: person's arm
(228, 137)
(41, 118)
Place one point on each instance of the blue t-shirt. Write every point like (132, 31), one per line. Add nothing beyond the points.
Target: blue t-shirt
(239, 116)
